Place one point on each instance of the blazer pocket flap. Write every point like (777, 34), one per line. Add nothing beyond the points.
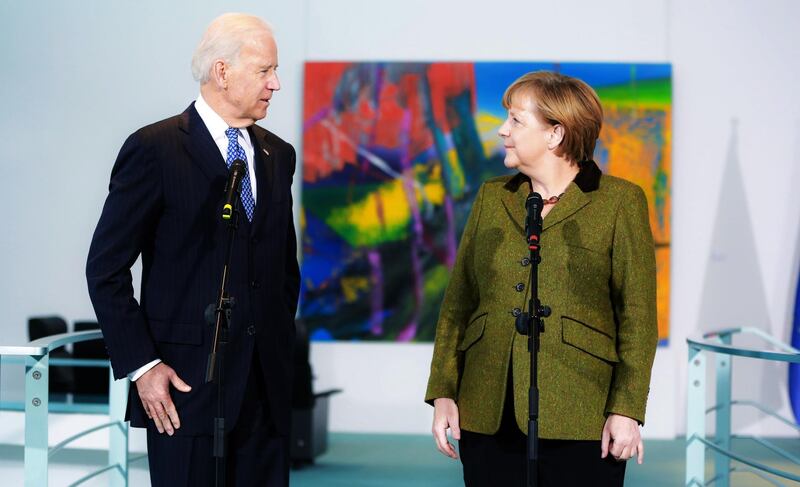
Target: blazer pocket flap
(473, 333)
(586, 338)
(183, 333)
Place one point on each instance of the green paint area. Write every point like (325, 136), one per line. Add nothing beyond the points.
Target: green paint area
(320, 200)
(322, 203)
(435, 281)
(656, 92)
(358, 234)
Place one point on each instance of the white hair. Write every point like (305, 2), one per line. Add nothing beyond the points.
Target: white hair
(223, 40)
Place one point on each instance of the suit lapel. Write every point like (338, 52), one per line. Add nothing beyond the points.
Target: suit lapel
(264, 159)
(201, 146)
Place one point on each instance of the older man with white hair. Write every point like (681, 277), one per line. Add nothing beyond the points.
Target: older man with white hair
(165, 202)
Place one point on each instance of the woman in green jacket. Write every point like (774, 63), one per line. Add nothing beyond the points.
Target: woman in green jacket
(597, 274)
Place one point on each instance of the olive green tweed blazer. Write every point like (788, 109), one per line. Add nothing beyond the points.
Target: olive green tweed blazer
(598, 275)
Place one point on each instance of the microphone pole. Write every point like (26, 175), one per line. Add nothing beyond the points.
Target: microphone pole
(530, 323)
(220, 315)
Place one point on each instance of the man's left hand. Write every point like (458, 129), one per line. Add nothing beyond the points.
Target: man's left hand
(621, 438)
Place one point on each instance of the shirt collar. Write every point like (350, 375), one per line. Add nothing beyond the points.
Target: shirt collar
(214, 123)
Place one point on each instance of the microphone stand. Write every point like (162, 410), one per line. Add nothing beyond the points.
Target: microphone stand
(220, 315)
(530, 323)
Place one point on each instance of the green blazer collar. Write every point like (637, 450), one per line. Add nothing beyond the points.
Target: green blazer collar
(577, 195)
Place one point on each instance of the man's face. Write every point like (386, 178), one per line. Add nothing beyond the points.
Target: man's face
(252, 79)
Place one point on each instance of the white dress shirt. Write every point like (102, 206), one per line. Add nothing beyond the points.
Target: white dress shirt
(216, 127)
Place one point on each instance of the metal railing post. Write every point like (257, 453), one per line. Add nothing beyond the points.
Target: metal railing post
(35, 356)
(723, 371)
(696, 419)
(36, 408)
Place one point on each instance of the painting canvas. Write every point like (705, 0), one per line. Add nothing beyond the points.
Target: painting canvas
(393, 156)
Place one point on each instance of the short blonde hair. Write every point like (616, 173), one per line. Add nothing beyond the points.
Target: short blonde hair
(566, 101)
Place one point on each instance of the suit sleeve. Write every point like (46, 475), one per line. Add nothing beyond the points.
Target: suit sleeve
(633, 294)
(124, 230)
(460, 300)
(292, 282)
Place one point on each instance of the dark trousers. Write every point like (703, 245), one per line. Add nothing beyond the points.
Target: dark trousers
(256, 454)
(500, 459)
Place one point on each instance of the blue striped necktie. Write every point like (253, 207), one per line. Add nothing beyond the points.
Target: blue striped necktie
(235, 151)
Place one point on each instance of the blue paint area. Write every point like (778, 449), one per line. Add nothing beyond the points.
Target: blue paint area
(492, 79)
(794, 369)
(321, 335)
(601, 155)
(329, 255)
(610, 74)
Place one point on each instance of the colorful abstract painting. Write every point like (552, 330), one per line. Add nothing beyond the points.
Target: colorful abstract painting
(393, 156)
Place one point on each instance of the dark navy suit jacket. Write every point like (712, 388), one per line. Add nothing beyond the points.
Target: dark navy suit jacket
(164, 203)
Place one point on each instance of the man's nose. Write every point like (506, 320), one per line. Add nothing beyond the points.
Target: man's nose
(274, 83)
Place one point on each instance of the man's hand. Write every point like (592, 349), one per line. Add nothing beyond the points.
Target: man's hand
(621, 433)
(445, 415)
(153, 389)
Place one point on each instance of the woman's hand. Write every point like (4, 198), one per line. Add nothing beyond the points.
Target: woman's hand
(445, 415)
(621, 434)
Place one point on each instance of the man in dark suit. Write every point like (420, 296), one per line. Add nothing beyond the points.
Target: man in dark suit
(165, 203)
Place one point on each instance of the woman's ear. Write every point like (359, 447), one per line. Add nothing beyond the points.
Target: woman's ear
(555, 136)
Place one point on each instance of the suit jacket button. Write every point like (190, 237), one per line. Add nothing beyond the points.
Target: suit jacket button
(251, 330)
(520, 287)
(516, 312)
(525, 261)
(255, 284)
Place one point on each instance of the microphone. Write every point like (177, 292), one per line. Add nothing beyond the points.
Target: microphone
(235, 176)
(533, 220)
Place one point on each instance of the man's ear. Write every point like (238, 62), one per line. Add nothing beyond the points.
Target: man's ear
(219, 74)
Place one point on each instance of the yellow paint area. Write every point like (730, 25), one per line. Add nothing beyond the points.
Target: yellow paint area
(488, 125)
(352, 286)
(433, 189)
(384, 214)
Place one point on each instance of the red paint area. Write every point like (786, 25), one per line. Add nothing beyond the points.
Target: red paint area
(329, 138)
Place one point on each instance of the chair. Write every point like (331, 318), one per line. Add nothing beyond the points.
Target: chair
(309, 410)
(91, 383)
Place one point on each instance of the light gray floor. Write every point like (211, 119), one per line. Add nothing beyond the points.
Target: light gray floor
(362, 460)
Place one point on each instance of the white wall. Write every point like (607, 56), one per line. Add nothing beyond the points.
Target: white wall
(735, 60)
(74, 83)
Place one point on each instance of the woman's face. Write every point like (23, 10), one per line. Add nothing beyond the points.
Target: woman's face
(524, 136)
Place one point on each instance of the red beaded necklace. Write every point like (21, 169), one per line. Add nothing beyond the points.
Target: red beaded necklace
(553, 199)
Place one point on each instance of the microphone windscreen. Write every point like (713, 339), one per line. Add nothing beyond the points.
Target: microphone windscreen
(237, 165)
